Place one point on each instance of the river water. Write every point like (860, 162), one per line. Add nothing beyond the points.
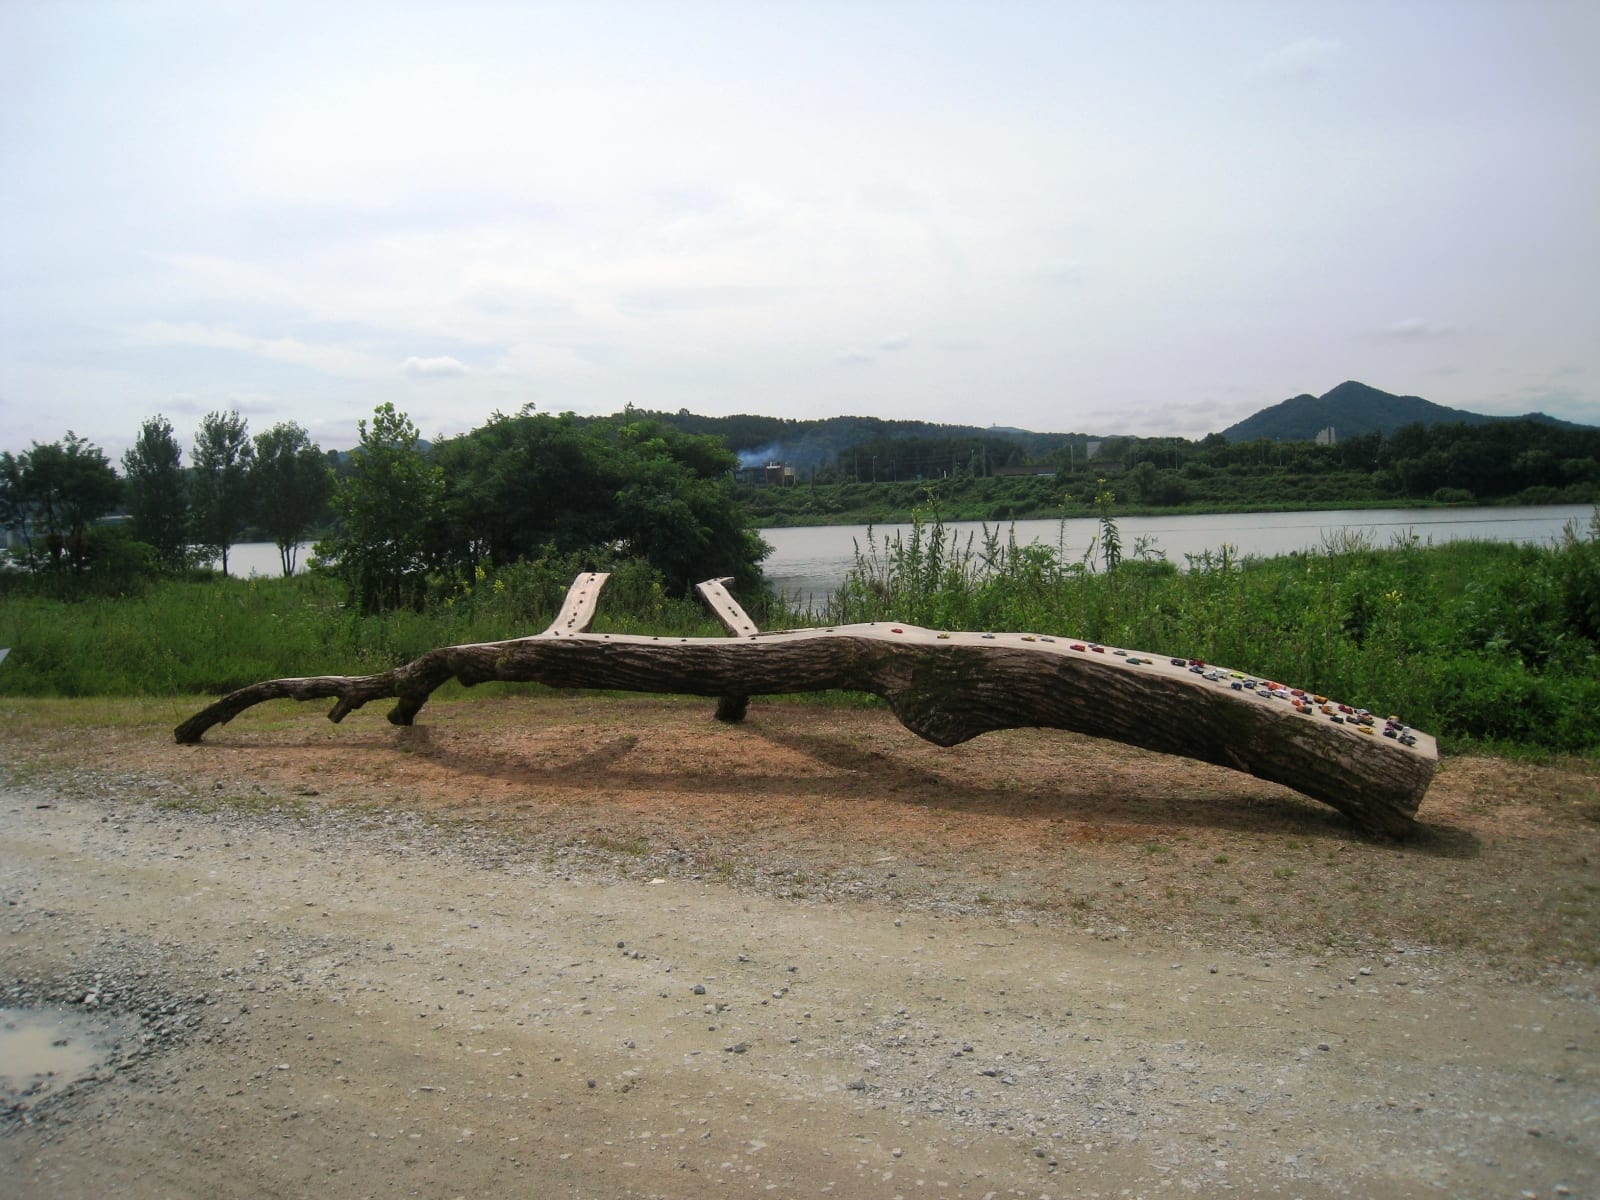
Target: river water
(809, 562)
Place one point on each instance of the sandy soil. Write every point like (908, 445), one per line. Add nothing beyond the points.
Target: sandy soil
(606, 947)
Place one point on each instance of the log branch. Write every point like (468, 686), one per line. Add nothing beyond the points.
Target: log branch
(731, 615)
(946, 688)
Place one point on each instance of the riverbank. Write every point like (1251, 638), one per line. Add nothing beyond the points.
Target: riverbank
(811, 561)
(1048, 498)
(906, 513)
(814, 561)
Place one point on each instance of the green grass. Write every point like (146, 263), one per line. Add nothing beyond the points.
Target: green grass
(1480, 643)
(201, 637)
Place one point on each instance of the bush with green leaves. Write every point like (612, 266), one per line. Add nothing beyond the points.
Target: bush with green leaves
(1475, 641)
(521, 486)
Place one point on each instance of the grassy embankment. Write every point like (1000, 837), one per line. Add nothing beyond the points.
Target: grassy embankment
(1264, 489)
(1479, 643)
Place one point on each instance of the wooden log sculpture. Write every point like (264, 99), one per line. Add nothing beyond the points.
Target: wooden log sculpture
(943, 686)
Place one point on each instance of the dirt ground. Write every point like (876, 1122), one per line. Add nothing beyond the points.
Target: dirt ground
(607, 947)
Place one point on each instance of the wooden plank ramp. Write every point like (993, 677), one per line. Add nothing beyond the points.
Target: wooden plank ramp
(725, 608)
(577, 611)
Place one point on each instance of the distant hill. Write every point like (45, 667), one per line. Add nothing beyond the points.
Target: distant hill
(1353, 409)
(804, 443)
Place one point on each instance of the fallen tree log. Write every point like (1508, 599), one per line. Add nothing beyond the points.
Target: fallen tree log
(945, 687)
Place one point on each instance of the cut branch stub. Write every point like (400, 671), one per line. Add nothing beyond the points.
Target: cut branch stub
(947, 688)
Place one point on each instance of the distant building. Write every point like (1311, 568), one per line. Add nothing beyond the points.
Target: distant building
(1023, 471)
(772, 474)
(1327, 437)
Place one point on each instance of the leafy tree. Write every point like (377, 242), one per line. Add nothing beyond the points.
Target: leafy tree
(675, 509)
(291, 484)
(1359, 453)
(1491, 460)
(390, 503)
(522, 485)
(221, 495)
(518, 485)
(1142, 479)
(58, 490)
(13, 505)
(157, 495)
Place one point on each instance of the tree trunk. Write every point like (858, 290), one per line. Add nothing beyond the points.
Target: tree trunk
(945, 687)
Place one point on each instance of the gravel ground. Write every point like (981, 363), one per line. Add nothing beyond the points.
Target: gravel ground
(608, 949)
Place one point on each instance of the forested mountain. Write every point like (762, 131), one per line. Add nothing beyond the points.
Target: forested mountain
(908, 449)
(1353, 409)
(806, 444)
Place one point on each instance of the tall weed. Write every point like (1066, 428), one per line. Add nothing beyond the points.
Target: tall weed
(1483, 642)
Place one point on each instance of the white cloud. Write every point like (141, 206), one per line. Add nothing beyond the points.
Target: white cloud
(432, 368)
(1304, 58)
(342, 361)
(1066, 271)
(1414, 329)
(1555, 400)
(867, 355)
(183, 404)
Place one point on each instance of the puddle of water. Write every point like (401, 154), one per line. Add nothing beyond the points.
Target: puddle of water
(42, 1050)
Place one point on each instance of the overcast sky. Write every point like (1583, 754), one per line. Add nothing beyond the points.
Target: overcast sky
(1108, 217)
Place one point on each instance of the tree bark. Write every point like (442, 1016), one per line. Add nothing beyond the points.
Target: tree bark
(944, 687)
